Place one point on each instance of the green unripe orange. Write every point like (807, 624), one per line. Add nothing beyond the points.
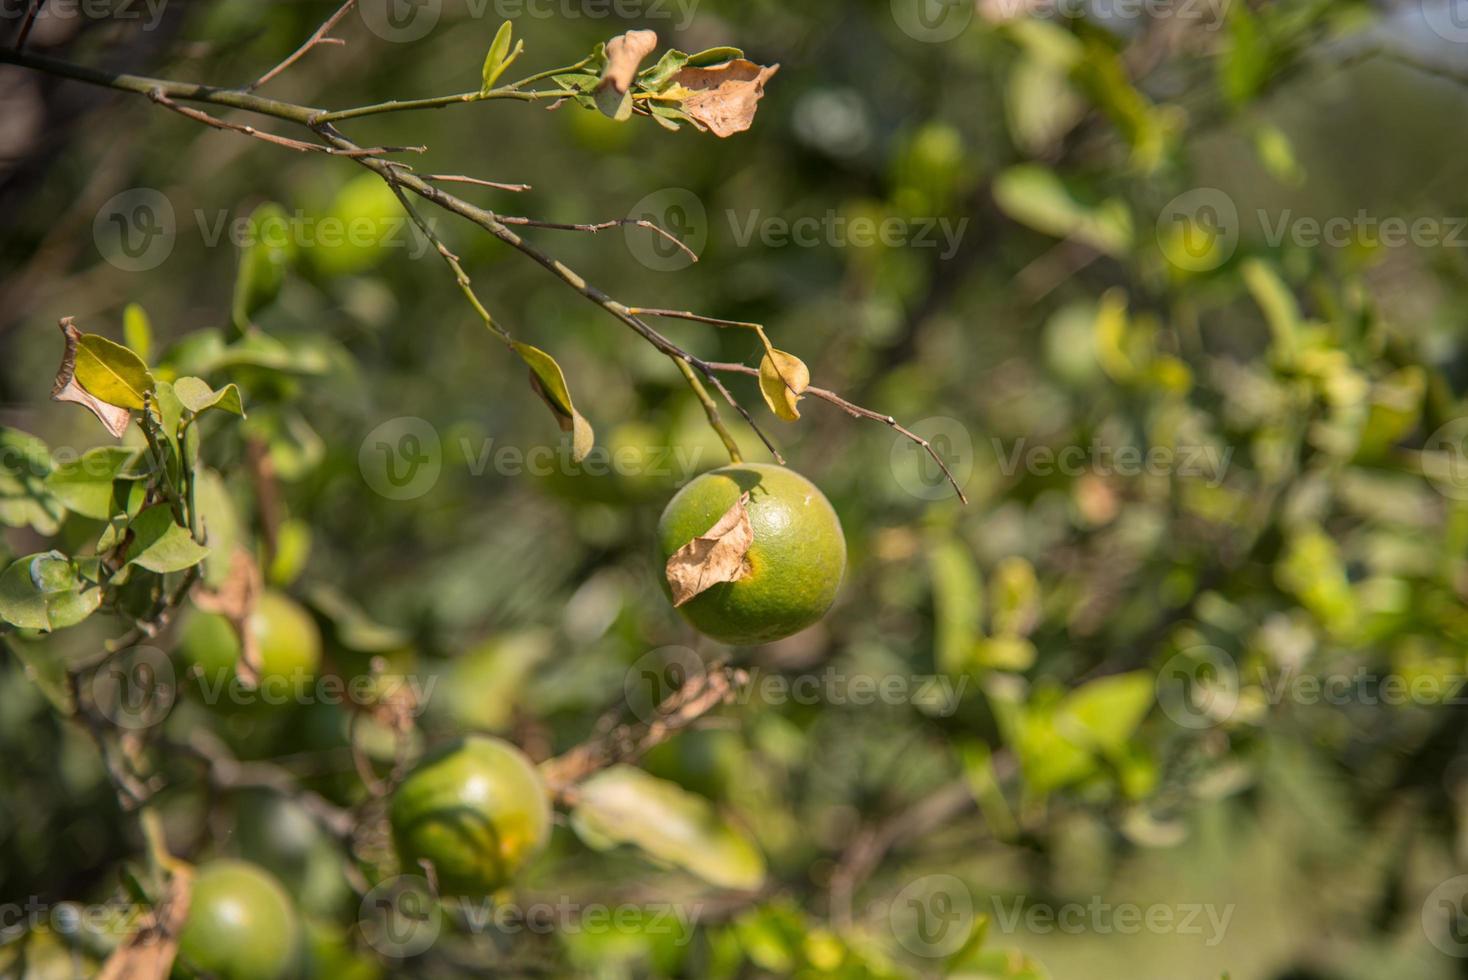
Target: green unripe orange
(286, 637)
(240, 926)
(794, 566)
(477, 811)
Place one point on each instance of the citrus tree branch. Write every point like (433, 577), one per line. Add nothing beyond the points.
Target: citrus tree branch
(318, 38)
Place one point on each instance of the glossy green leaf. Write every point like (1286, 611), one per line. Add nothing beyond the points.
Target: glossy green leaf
(86, 485)
(198, 397)
(160, 544)
(46, 592)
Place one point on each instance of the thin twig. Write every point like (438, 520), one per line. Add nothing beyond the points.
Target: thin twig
(711, 411)
(856, 411)
(32, 12)
(625, 743)
(460, 179)
(317, 38)
(699, 317)
(300, 146)
(603, 226)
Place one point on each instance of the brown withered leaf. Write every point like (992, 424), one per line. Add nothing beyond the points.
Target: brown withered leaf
(723, 98)
(235, 601)
(67, 389)
(148, 953)
(715, 556)
(624, 54)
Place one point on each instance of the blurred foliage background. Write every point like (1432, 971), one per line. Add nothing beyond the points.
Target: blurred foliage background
(1133, 645)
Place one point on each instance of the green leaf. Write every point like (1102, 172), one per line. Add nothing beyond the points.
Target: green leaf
(1245, 64)
(1278, 304)
(45, 669)
(198, 397)
(624, 805)
(656, 78)
(25, 462)
(1016, 597)
(549, 383)
(46, 592)
(111, 373)
(264, 258)
(220, 523)
(958, 604)
(86, 485)
(500, 56)
(1104, 713)
(1033, 195)
(160, 544)
(137, 330)
(714, 56)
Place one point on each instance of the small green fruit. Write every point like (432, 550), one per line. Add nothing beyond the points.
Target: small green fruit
(240, 926)
(795, 564)
(477, 811)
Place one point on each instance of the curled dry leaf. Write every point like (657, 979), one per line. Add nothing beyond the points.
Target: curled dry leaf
(723, 98)
(68, 389)
(148, 953)
(624, 54)
(717, 555)
(235, 601)
(782, 379)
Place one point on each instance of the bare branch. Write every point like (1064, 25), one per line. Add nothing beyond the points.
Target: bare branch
(459, 179)
(855, 411)
(603, 226)
(625, 743)
(317, 38)
(300, 146)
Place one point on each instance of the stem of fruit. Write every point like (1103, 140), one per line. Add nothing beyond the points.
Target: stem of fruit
(711, 410)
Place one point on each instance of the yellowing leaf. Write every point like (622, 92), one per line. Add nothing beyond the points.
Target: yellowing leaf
(547, 380)
(782, 380)
(715, 556)
(68, 388)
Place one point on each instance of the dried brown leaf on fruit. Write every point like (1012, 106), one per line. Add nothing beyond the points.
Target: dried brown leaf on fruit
(782, 379)
(67, 389)
(717, 555)
(148, 953)
(724, 98)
